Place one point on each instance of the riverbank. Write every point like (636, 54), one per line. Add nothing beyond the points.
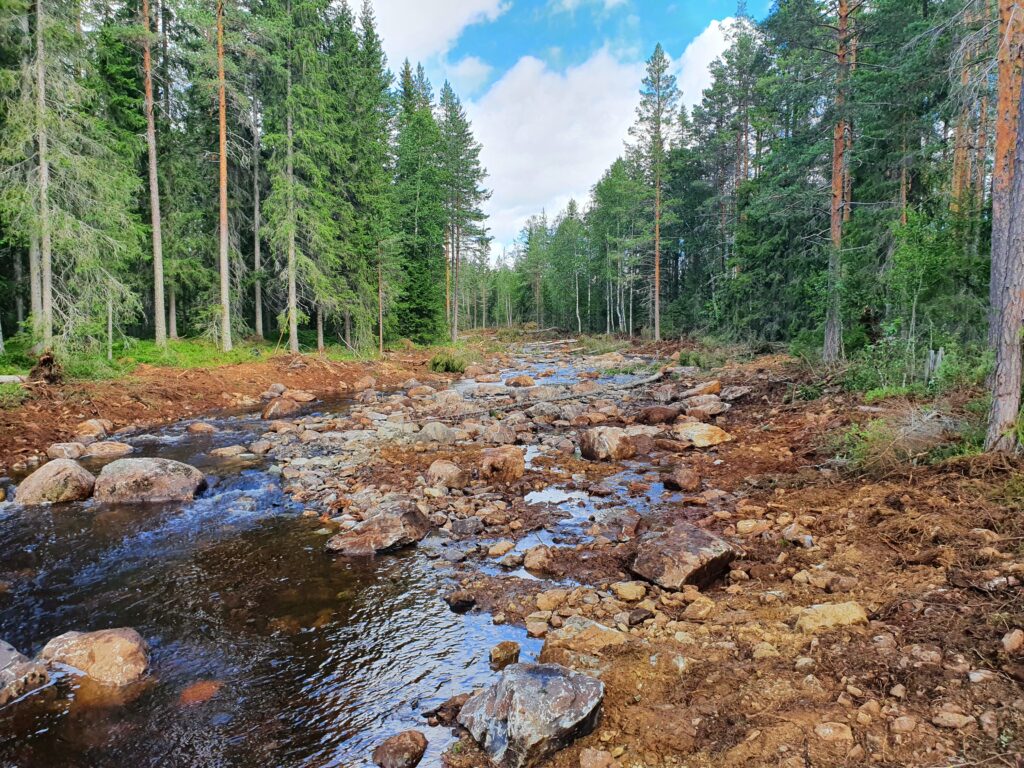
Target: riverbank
(685, 535)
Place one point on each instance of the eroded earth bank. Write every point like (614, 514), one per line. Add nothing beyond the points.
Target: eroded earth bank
(558, 559)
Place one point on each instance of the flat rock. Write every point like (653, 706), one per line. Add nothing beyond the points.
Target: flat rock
(436, 432)
(829, 615)
(105, 449)
(110, 656)
(65, 450)
(18, 674)
(533, 711)
(684, 554)
(57, 481)
(581, 644)
(394, 525)
(701, 435)
(402, 751)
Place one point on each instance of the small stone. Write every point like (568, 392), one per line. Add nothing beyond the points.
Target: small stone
(201, 428)
(596, 758)
(953, 720)
(1013, 641)
(111, 656)
(503, 465)
(503, 654)
(501, 548)
(461, 600)
(402, 751)
(448, 474)
(833, 732)
(903, 724)
(630, 591)
(829, 615)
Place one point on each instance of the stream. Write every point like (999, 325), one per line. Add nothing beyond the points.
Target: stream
(311, 660)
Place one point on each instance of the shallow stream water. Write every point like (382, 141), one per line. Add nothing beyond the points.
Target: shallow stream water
(310, 660)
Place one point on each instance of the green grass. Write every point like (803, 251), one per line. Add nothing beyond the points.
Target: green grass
(878, 394)
(448, 361)
(12, 395)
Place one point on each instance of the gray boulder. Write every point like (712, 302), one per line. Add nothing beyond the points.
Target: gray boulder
(436, 432)
(55, 482)
(148, 480)
(684, 554)
(396, 524)
(533, 711)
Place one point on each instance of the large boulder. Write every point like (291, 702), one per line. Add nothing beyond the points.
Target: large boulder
(684, 554)
(18, 674)
(110, 656)
(448, 474)
(533, 711)
(502, 465)
(280, 408)
(148, 480)
(56, 481)
(402, 751)
(396, 524)
(436, 432)
(607, 444)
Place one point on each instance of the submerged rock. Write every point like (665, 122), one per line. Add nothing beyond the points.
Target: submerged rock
(533, 711)
(395, 525)
(402, 751)
(18, 674)
(55, 482)
(607, 444)
(148, 480)
(684, 554)
(110, 656)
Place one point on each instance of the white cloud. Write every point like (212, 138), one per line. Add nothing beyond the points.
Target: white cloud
(549, 135)
(468, 75)
(692, 72)
(422, 30)
(570, 6)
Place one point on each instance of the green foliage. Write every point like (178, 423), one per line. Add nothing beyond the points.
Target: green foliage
(448, 361)
(13, 395)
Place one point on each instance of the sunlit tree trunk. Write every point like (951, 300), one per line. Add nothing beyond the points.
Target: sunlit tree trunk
(1007, 277)
(293, 310)
(225, 275)
(456, 257)
(833, 347)
(172, 312)
(154, 184)
(657, 256)
(320, 346)
(42, 147)
(256, 257)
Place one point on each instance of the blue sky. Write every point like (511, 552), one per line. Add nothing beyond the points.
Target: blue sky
(551, 85)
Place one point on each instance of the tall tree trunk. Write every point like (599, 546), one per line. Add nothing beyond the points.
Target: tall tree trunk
(833, 348)
(1008, 312)
(42, 147)
(154, 185)
(348, 329)
(225, 275)
(293, 311)
(904, 182)
(447, 275)
(256, 259)
(579, 321)
(380, 305)
(35, 286)
(19, 279)
(172, 313)
(657, 256)
(320, 346)
(456, 256)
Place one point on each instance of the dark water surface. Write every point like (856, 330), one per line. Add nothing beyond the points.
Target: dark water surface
(317, 659)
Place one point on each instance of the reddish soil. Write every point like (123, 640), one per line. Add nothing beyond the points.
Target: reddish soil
(152, 395)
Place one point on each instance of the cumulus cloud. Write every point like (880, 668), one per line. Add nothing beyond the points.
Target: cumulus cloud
(422, 31)
(468, 75)
(691, 69)
(549, 135)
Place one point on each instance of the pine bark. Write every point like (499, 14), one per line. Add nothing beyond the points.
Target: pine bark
(225, 275)
(380, 307)
(42, 146)
(19, 279)
(256, 256)
(833, 347)
(35, 285)
(159, 323)
(172, 313)
(293, 310)
(657, 252)
(1008, 315)
(320, 346)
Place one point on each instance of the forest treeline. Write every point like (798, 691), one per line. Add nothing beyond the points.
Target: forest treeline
(843, 187)
(222, 168)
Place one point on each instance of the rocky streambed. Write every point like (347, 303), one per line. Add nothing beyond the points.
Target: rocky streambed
(552, 561)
